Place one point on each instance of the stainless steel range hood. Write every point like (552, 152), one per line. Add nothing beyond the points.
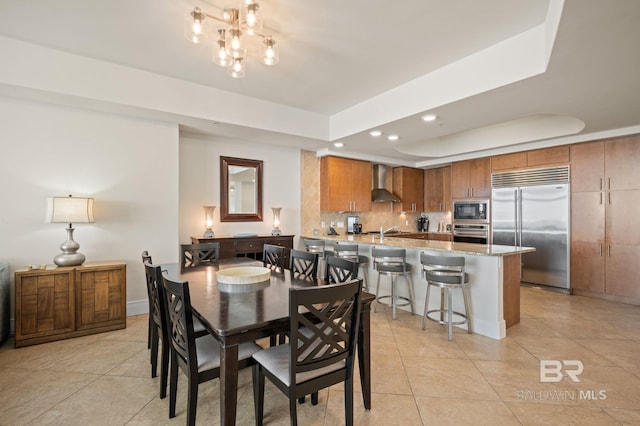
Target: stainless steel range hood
(380, 193)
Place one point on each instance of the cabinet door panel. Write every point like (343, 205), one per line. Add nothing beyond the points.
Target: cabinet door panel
(44, 304)
(460, 179)
(587, 217)
(361, 184)
(480, 177)
(548, 156)
(517, 160)
(622, 271)
(621, 163)
(335, 186)
(587, 266)
(100, 297)
(433, 189)
(622, 225)
(587, 167)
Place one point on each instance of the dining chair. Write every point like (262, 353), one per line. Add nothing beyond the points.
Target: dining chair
(303, 264)
(199, 359)
(146, 257)
(158, 325)
(192, 255)
(340, 270)
(350, 251)
(323, 323)
(273, 257)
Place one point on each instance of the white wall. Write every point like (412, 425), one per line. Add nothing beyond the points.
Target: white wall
(200, 185)
(130, 167)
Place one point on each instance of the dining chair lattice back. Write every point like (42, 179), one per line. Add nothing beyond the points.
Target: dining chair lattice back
(339, 270)
(192, 255)
(146, 257)
(273, 257)
(351, 251)
(199, 359)
(323, 324)
(303, 264)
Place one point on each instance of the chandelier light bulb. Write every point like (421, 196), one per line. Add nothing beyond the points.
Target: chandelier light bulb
(270, 52)
(195, 29)
(235, 43)
(236, 70)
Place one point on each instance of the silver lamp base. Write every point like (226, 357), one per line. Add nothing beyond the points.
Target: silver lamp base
(276, 232)
(69, 255)
(208, 233)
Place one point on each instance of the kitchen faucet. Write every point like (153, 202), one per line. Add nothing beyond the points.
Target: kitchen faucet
(393, 228)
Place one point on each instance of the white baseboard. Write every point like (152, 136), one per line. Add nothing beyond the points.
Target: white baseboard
(138, 307)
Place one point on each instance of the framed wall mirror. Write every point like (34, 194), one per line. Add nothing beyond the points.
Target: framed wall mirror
(240, 190)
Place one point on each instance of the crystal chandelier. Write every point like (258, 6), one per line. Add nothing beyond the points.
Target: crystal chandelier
(230, 33)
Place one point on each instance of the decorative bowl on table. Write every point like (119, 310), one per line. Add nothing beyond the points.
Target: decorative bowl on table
(243, 278)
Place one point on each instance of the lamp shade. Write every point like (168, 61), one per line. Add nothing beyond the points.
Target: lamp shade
(69, 210)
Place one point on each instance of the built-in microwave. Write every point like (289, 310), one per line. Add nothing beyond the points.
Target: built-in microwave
(471, 211)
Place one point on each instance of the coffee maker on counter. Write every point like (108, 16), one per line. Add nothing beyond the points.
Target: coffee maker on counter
(353, 225)
(423, 224)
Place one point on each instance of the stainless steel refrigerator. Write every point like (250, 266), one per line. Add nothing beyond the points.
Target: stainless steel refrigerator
(531, 209)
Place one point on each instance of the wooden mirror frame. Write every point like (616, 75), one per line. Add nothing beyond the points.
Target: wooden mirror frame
(225, 216)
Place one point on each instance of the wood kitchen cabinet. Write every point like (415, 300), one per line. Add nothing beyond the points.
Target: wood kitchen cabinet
(408, 184)
(437, 189)
(535, 158)
(62, 302)
(471, 178)
(345, 185)
(605, 235)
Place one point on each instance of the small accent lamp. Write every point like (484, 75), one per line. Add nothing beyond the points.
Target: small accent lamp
(69, 210)
(208, 221)
(276, 221)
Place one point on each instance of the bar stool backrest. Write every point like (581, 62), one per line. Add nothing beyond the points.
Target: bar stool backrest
(386, 257)
(442, 266)
(314, 246)
(346, 251)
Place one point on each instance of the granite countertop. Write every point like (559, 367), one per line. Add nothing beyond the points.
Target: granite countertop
(420, 244)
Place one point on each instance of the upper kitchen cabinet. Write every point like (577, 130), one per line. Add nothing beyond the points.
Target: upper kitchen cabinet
(536, 158)
(606, 165)
(345, 185)
(621, 163)
(437, 189)
(587, 167)
(471, 178)
(408, 184)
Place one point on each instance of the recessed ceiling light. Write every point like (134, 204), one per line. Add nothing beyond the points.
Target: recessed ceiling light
(338, 144)
(375, 133)
(393, 137)
(429, 117)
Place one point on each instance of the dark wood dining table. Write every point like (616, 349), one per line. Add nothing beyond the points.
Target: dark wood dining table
(243, 316)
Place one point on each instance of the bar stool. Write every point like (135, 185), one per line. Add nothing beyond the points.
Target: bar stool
(350, 251)
(319, 247)
(392, 263)
(447, 273)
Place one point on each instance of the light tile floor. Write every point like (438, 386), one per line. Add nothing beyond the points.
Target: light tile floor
(419, 378)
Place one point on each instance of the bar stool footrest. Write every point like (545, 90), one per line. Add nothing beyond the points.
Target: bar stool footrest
(406, 300)
(446, 313)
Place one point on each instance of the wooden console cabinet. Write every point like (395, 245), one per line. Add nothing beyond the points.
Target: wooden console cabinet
(62, 302)
(231, 246)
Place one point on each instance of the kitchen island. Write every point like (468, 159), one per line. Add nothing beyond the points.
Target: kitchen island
(494, 277)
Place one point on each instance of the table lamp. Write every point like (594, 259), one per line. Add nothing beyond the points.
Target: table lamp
(276, 221)
(208, 221)
(69, 210)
